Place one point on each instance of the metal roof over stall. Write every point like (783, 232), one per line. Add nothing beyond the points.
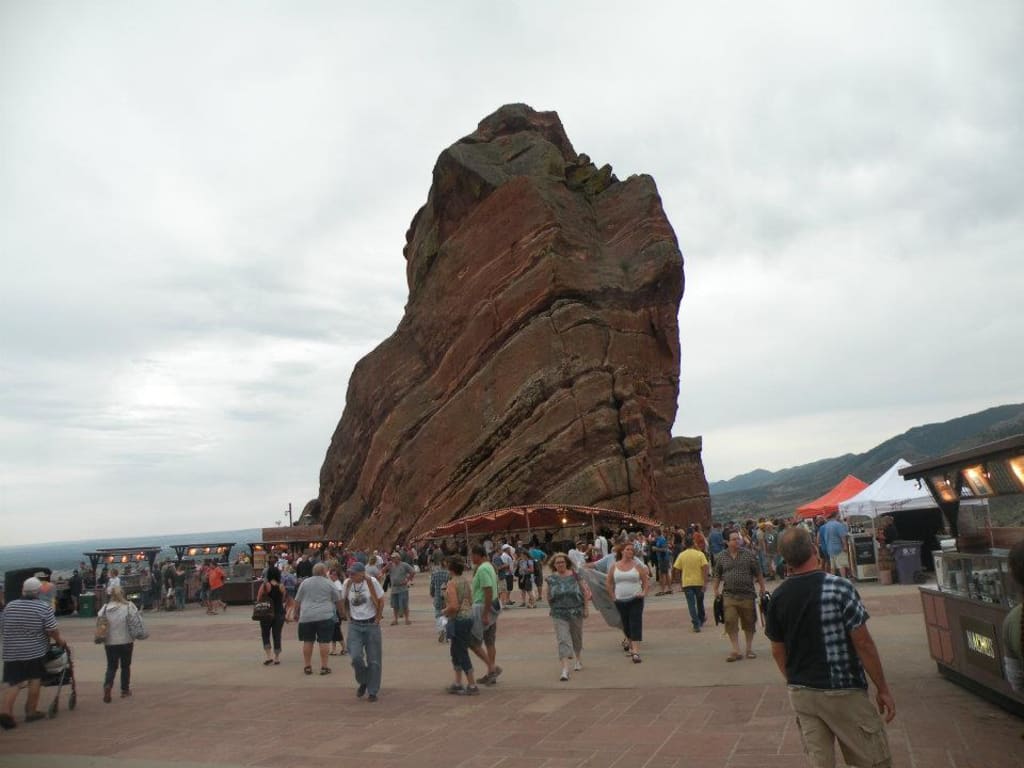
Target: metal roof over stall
(117, 556)
(219, 550)
(988, 471)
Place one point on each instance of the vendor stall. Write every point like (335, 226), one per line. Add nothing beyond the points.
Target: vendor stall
(134, 566)
(239, 586)
(964, 612)
(828, 504)
(912, 509)
(263, 553)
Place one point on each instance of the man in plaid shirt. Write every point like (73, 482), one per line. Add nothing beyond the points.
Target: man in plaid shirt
(820, 641)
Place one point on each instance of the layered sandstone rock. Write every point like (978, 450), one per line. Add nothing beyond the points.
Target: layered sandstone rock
(538, 358)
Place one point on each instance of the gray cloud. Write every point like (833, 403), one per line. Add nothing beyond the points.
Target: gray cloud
(202, 211)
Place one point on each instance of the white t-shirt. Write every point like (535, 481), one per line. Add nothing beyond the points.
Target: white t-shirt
(360, 606)
(577, 557)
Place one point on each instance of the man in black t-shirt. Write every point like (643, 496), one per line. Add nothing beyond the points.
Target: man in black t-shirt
(820, 641)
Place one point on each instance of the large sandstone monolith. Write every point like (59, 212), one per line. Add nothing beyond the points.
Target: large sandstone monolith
(538, 358)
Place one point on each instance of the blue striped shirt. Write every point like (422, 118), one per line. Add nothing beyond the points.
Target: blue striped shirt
(24, 625)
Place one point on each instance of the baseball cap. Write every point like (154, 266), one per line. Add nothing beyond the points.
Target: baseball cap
(357, 568)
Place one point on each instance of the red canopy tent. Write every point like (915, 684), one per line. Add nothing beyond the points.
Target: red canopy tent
(526, 518)
(847, 488)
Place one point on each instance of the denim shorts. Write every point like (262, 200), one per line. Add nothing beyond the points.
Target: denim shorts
(320, 631)
(400, 601)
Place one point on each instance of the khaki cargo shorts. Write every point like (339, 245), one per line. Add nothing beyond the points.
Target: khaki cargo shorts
(739, 611)
(846, 716)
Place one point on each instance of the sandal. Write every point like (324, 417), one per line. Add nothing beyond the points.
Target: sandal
(636, 658)
(308, 670)
(751, 655)
(625, 646)
(734, 657)
(325, 670)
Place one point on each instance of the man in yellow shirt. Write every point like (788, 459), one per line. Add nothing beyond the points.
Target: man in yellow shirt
(693, 565)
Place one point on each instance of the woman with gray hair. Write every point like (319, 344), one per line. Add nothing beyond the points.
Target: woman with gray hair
(316, 604)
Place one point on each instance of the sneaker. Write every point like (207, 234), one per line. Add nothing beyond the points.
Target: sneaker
(564, 677)
(455, 689)
(487, 679)
(496, 673)
(471, 690)
(372, 697)
(578, 666)
(361, 691)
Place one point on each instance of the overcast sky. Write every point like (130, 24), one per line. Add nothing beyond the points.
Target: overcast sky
(203, 208)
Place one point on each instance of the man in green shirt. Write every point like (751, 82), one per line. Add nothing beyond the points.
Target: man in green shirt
(485, 619)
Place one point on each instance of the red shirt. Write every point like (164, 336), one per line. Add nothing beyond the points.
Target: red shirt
(216, 577)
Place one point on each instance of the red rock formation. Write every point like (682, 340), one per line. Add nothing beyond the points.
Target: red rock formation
(538, 358)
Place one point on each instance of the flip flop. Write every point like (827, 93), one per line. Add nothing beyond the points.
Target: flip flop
(325, 670)
(734, 657)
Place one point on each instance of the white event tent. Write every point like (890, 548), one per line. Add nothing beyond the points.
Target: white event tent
(889, 493)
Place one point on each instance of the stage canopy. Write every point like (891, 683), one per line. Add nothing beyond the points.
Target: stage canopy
(537, 517)
(889, 493)
(829, 503)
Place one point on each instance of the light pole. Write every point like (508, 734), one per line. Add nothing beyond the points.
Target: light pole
(290, 523)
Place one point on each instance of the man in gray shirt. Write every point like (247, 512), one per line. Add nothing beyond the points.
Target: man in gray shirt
(401, 578)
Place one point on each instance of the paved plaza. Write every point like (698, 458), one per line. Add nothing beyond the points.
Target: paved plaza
(203, 698)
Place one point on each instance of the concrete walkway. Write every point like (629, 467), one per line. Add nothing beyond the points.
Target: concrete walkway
(203, 698)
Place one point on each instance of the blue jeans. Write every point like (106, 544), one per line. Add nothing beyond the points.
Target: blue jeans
(179, 598)
(695, 605)
(364, 639)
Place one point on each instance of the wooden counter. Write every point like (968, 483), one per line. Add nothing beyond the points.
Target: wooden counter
(965, 639)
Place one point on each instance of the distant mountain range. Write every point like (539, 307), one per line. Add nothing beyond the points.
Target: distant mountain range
(778, 494)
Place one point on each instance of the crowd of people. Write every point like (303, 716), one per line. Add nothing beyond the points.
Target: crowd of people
(815, 619)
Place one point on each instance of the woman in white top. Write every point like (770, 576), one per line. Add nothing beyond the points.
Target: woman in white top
(124, 626)
(627, 584)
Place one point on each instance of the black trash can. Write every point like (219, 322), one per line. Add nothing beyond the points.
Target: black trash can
(907, 557)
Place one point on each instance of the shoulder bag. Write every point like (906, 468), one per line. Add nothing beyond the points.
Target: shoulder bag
(102, 627)
(136, 629)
